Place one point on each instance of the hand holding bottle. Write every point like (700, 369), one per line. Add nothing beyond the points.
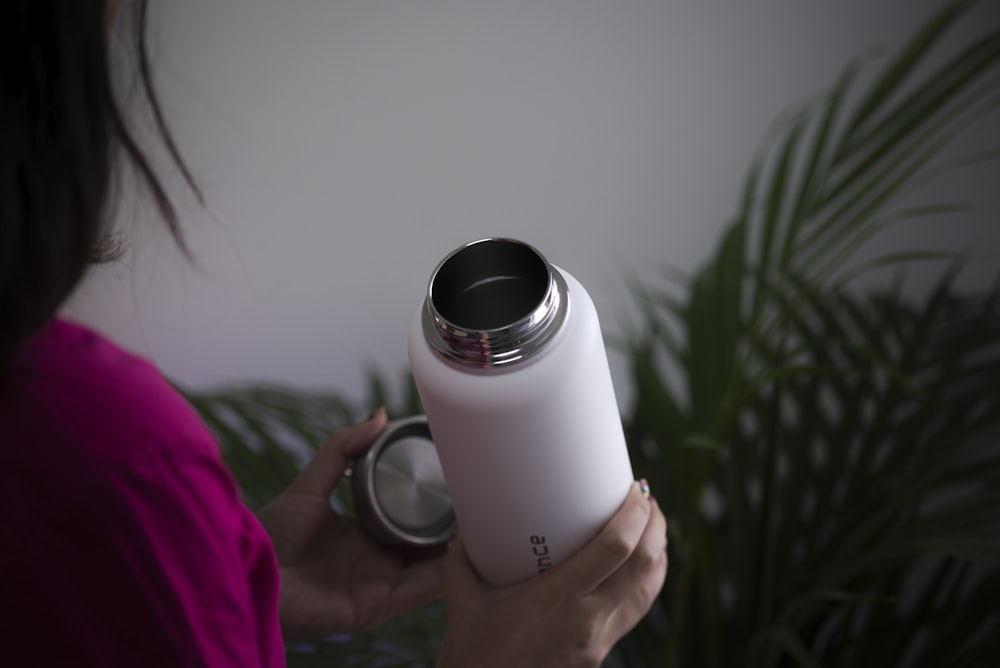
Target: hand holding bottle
(570, 616)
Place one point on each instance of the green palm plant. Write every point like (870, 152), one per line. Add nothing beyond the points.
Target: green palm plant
(829, 461)
(850, 513)
(267, 432)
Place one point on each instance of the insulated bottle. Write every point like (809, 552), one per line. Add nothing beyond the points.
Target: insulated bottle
(508, 359)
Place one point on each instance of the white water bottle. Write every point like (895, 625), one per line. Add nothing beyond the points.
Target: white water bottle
(509, 362)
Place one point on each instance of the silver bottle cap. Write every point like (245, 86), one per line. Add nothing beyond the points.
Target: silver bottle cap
(492, 303)
(398, 487)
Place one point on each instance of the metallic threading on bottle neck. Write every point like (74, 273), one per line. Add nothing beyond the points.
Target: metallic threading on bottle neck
(520, 339)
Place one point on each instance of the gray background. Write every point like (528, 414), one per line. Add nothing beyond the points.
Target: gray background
(345, 147)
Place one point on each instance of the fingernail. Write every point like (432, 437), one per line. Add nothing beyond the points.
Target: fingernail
(452, 539)
(644, 488)
(372, 415)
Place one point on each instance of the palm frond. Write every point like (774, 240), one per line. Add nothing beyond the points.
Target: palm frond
(846, 439)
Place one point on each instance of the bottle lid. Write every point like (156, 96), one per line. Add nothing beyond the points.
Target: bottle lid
(398, 487)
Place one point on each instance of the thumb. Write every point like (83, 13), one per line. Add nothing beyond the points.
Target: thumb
(324, 471)
(461, 582)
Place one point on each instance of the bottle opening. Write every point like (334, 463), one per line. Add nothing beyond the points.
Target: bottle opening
(494, 302)
(490, 285)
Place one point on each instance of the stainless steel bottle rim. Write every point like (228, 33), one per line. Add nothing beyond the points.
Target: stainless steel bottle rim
(370, 507)
(511, 325)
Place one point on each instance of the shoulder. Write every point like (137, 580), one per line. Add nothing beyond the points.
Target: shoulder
(120, 518)
(82, 388)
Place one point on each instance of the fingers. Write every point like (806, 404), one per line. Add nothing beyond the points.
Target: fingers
(327, 466)
(638, 582)
(571, 615)
(605, 554)
(420, 583)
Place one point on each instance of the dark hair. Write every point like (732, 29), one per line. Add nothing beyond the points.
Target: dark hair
(62, 137)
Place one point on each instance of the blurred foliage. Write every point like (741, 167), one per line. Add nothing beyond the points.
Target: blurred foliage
(829, 460)
(268, 432)
(848, 513)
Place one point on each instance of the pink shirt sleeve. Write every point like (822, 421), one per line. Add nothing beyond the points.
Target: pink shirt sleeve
(124, 542)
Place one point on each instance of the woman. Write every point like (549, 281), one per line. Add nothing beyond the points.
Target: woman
(123, 539)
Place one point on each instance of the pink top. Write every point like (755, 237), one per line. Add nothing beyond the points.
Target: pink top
(123, 541)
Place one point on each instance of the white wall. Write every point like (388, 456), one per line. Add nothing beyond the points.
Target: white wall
(345, 147)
